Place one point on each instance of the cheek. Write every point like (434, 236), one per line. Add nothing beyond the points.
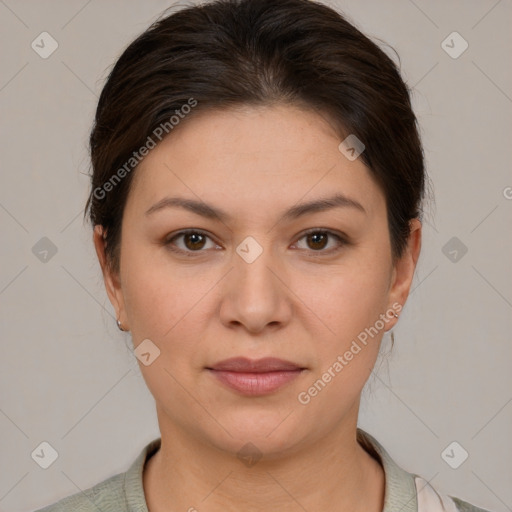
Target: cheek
(151, 300)
(152, 291)
(347, 299)
(164, 304)
(349, 305)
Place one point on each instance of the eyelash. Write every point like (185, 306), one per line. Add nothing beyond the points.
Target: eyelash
(318, 253)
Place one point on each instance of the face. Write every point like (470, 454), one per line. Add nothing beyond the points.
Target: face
(228, 252)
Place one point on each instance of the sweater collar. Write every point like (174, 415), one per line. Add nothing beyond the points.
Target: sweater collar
(400, 488)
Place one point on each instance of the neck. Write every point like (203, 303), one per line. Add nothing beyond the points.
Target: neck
(334, 474)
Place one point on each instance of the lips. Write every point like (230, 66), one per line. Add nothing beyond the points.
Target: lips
(244, 365)
(255, 377)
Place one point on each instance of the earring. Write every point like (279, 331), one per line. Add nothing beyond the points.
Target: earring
(396, 316)
(120, 326)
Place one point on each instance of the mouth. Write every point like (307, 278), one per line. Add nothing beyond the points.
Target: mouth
(255, 377)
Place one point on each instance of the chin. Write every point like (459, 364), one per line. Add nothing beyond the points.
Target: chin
(270, 432)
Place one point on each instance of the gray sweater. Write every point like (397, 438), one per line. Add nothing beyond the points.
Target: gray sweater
(124, 492)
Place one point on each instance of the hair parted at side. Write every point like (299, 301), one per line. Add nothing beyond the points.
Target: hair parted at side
(229, 53)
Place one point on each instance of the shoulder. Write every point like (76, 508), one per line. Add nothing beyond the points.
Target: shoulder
(464, 506)
(123, 492)
(409, 492)
(429, 500)
(106, 496)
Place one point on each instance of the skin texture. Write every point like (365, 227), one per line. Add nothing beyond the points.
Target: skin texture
(301, 300)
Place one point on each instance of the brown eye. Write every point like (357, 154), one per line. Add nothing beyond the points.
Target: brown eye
(317, 240)
(194, 241)
(191, 241)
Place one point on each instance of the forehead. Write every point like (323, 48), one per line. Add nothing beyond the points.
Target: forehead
(254, 157)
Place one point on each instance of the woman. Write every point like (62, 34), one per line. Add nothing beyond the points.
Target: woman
(256, 199)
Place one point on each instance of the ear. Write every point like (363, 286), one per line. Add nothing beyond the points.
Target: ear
(403, 270)
(110, 277)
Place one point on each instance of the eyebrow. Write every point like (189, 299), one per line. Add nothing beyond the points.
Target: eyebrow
(211, 212)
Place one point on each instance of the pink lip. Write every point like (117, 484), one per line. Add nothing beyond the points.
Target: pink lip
(255, 377)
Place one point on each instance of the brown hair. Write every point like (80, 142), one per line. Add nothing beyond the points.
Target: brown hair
(229, 53)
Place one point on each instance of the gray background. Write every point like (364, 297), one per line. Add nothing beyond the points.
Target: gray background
(67, 375)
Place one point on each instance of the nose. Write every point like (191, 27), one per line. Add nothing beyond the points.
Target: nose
(255, 296)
